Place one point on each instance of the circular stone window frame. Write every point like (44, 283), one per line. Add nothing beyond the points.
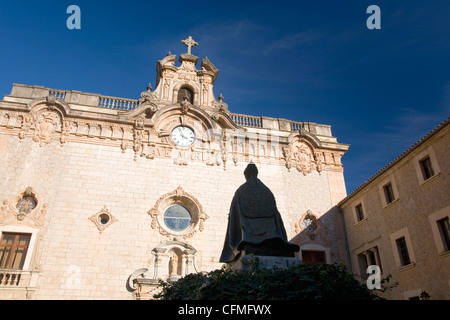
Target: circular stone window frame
(178, 197)
(29, 192)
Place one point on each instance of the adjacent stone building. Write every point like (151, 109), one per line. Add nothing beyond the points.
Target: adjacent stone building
(102, 196)
(399, 220)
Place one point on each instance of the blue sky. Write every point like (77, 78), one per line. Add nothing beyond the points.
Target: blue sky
(380, 90)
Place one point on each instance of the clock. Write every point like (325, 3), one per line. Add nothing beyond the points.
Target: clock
(183, 136)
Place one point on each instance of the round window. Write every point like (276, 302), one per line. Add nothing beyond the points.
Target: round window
(177, 218)
(104, 218)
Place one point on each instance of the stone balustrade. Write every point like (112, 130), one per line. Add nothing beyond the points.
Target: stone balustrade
(18, 284)
(83, 99)
(10, 278)
(17, 278)
(117, 103)
(59, 94)
(247, 121)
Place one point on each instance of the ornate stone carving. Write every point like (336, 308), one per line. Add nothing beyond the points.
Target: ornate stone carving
(139, 123)
(148, 96)
(170, 260)
(28, 121)
(301, 156)
(103, 219)
(205, 94)
(138, 135)
(45, 128)
(4, 211)
(25, 208)
(319, 161)
(67, 127)
(221, 106)
(124, 146)
(166, 89)
(309, 224)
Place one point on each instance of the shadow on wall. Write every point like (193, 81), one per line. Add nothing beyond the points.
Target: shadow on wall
(322, 238)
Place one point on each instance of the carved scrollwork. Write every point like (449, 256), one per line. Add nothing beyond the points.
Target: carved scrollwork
(300, 155)
(180, 197)
(221, 106)
(25, 208)
(45, 127)
(148, 96)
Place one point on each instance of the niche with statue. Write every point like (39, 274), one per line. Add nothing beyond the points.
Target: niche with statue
(170, 260)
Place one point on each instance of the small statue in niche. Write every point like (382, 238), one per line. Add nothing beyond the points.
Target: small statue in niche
(173, 265)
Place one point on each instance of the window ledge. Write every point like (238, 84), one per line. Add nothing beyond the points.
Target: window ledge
(390, 204)
(360, 222)
(407, 267)
(424, 182)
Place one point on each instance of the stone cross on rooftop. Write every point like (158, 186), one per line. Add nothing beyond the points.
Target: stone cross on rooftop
(189, 42)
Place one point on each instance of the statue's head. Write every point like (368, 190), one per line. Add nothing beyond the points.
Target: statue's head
(250, 171)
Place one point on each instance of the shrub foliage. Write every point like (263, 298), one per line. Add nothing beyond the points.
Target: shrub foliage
(299, 282)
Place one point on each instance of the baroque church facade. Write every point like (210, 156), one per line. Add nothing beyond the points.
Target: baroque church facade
(103, 196)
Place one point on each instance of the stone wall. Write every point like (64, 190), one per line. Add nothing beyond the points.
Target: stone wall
(77, 261)
(414, 213)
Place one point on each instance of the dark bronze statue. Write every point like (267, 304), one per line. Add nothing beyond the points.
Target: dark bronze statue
(254, 223)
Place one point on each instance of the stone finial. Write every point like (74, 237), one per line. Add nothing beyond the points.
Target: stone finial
(189, 42)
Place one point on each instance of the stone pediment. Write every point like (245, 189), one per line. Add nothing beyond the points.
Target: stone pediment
(171, 79)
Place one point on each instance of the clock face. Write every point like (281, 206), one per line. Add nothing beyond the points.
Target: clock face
(183, 136)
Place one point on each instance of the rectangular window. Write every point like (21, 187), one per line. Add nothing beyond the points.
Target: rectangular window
(444, 230)
(362, 262)
(368, 258)
(403, 251)
(13, 250)
(389, 193)
(427, 168)
(359, 212)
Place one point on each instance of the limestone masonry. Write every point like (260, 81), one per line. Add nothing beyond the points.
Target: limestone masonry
(102, 196)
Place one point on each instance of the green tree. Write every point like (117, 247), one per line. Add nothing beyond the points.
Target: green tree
(298, 282)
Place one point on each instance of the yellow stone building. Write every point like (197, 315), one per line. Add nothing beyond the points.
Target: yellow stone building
(102, 196)
(399, 220)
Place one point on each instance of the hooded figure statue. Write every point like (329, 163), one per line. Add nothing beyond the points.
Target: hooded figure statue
(254, 223)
